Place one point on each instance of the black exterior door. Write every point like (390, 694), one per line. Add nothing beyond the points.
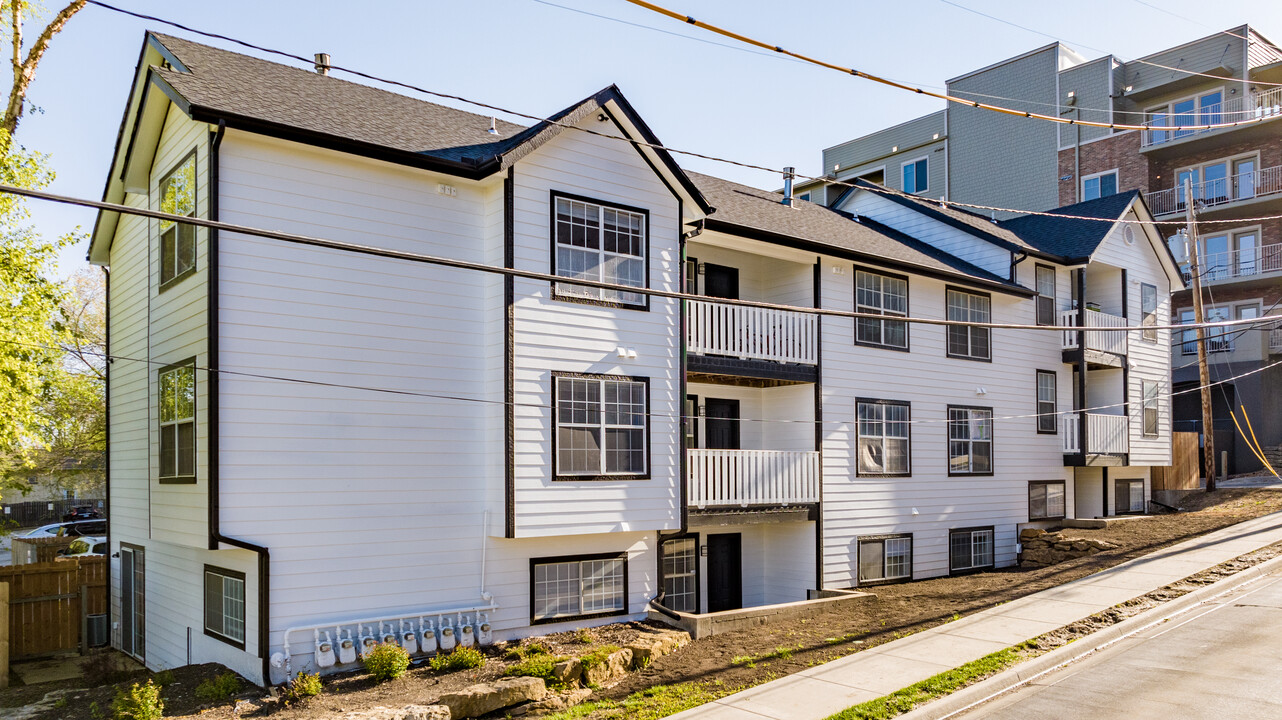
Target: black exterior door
(720, 281)
(725, 572)
(721, 424)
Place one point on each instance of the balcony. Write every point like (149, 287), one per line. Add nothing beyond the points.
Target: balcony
(1236, 264)
(1242, 187)
(1275, 341)
(771, 346)
(1236, 109)
(1105, 434)
(1102, 348)
(752, 478)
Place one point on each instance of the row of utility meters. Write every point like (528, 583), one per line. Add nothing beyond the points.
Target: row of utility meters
(424, 637)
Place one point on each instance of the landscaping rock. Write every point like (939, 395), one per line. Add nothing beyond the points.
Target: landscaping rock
(409, 712)
(485, 698)
(1031, 533)
(614, 666)
(653, 645)
(568, 671)
(1056, 547)
(555, 703)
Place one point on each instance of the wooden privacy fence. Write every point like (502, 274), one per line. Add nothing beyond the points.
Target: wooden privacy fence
(48, 602)
(25, 551)
(1185, 469)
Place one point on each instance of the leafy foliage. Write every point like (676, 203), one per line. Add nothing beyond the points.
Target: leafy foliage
(219, 687)
(139, 702)
(301, 686)
(387, 661)
(539, 666)
(463, 658)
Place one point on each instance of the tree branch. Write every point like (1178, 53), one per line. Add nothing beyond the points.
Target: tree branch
(25, 72)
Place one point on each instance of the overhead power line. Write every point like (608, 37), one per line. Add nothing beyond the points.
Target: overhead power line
(113, 357)
(554, 278)
(1209, 27)
(628, 140)
(922, 91)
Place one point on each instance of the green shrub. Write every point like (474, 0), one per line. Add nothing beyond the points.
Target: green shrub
(139, 702)
(522, 652)
(164, 678)
(219, 687)
(387, 661)
(302, 686)
(596, 657)
(539, 666)
(463, 658)
(585, 636)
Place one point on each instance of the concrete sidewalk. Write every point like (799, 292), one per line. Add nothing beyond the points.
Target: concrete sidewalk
(820, 691)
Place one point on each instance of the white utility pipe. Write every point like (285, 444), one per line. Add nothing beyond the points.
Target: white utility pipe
(485, 543)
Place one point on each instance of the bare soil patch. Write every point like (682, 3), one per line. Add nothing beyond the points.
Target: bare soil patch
(748, 657)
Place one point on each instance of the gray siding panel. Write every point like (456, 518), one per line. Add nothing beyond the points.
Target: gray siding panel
(877, 146)
(1215, 51)
(1091, 83)
(998, 159)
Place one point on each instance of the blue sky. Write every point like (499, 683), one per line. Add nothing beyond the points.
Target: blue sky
(537, 58)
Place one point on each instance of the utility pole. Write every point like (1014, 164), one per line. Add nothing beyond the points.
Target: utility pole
(1199, 316)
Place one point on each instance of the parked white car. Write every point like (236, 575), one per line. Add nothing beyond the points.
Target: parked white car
(88, 546)
(75, 528)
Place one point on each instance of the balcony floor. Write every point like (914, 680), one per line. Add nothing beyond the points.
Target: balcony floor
(750, 373)
(752, 515)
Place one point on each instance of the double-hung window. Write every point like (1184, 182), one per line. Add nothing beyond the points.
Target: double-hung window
(1046, 401)
(964, 341)
(680, 574)
(1045, 294)
(1128, 497)
(177, 416)
(970, 441)
(970, 549)
(600, 427)
(1148, 311)
(885, 558)
(883, 438)
(178, 240)
(1046, 500)
(1150, 389)
(885, 295)
(225, 605)
(579, 586)
(1099, 185)
(916, 176)
(602, 243)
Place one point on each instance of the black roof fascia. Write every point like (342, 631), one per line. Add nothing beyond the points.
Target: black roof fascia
(663, 154)
(752, 233)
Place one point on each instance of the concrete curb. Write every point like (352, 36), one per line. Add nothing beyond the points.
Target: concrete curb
(1023, 673)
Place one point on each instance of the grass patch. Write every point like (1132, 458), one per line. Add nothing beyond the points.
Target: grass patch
(596, 657)
(539, 666)
(783, 653)
(901, 701)
(522, 652)
(650, 704)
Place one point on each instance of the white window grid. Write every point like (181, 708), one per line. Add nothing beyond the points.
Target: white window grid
(966, 341)
(578, 587)
(228, 611)
(604, 244)
(974, 547)
(1046, 500)
(970, 440)
(1046, 401)
(885, 558)
(680, 574)
(600, 427)
(1093, 185)
(886, 296)
(899, 554)
(1045, 280)
(884, 445)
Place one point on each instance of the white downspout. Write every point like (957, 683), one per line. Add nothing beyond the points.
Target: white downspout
(485, 543)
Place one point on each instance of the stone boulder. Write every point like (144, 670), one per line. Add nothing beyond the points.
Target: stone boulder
(553, 703)
(653, 645)
(612, 667)
(478, 700)
(568, 671)
(409, 712)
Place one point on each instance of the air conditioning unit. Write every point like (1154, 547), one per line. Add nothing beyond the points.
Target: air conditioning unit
(97, 630)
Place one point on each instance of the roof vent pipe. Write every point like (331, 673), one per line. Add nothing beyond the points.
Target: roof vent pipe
(493, 130)
(322, 63)
(788, 174)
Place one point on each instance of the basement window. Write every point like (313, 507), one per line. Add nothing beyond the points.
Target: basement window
(225, 605)
(572, 587)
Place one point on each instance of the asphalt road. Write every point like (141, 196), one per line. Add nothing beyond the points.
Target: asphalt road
(1219, 661)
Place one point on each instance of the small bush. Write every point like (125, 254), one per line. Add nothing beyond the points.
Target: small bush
(522, 652)
(598, 656)
(219, 687)
(139, 702)
(539, 666)
(302, 686)
(585, 636)
(164, 678)
(387, 661)
(463, 658)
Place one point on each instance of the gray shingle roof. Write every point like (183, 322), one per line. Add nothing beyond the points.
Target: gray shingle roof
(748, 208)
(1072, 238)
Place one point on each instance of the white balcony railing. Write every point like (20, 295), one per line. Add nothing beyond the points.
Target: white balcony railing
(1221, 191)
(743, 478)
(1109, 342)
(1243, 262)
(1275, 340)
(1235, 109)
(1105, 434)
(751, 333)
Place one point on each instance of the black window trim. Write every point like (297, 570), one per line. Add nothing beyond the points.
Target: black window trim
(973, 358)
(649, 468)
(1128, 481)
(235, 575)
(907, 309)
(621, 555)
(160, 256)
(693, 419)
(1031, 484)
(992, 460)
(1037, 400)
(978, 568)
(882, 401)
(195, 419)
(1038, 298)
(553, 195)
(860, 540)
